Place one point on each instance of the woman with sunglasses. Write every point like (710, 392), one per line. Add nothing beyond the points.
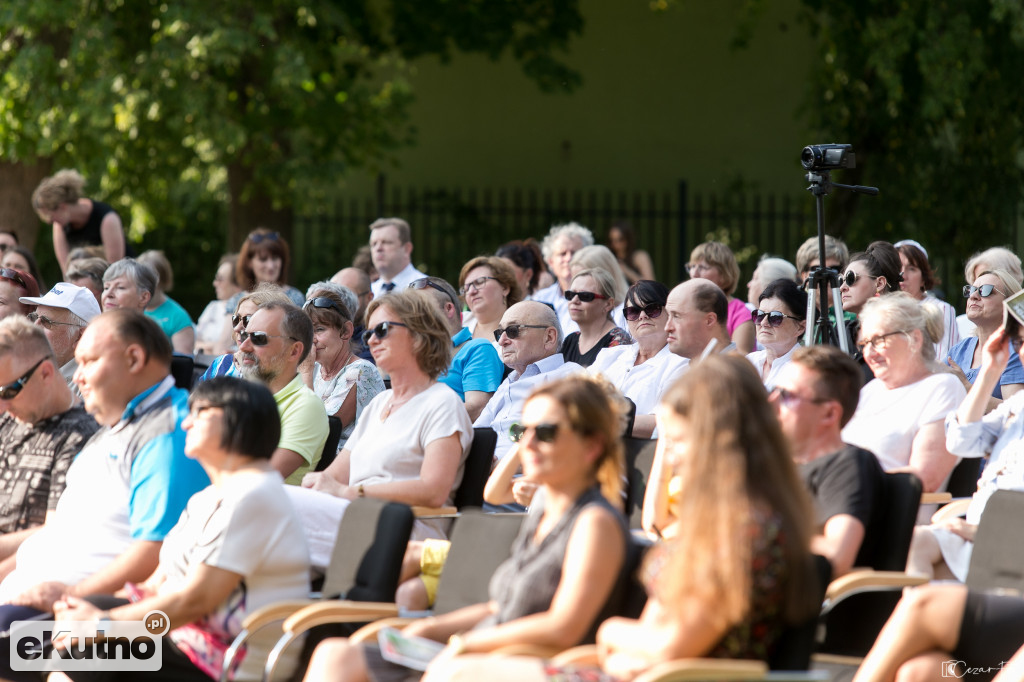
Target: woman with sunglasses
(737, 569)
(985, 311)
(592, 299)
(224, 365)
(901, 411)
(13, 285)
(237, 547)
(411, 441)
(644, 370)
(567, 556)
(780, 318)
(489, 287)
(870, 273)
(598, 257)
(342, 380)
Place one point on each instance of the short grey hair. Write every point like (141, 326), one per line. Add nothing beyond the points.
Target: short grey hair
(143, 276)
(571, 230)
(773, 268)
(347, 296)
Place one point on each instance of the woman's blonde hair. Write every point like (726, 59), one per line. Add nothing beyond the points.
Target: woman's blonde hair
(431, 340)
(265, 292)
(737, 469)
(598, 257)
(595, 409)
(718, 255)
(63, 187)
(996, 258)
(899, 311)
(605, 285)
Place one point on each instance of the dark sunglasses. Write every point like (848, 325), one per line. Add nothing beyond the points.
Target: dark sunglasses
(775, 318)
(652, 310)
(424, 283)
(546, 433)
(324, 302)
(244, 319)
(851, 278)
(11, 391)
(261, 338)
(47, 322)
(14, 276)
(381, 330)
(512, 331)
(585, 296)
(985, 290)
(264, 237)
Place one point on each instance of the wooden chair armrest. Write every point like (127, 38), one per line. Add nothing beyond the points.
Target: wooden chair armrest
(704, 669)
(935, 498)
(533, 650)
(957, 507)
(435, 512)
(867, 578)
(836, 659)
(326, 612)
(272, 612)
(585, 654)
(368, 633)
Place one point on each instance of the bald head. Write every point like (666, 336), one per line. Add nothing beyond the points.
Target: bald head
(697, 312)
(542, 338)
(359, 282)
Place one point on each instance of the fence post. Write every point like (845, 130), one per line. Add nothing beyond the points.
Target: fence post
(381, 189)
(684, 251)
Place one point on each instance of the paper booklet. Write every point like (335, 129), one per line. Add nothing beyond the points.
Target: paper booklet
(1013, 315)
(414, 653)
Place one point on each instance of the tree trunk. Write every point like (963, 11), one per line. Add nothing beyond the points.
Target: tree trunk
(252, 207)
(17, 182)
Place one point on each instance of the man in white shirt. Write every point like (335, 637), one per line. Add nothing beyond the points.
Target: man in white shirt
(697, 312)
(530, 337)
(391, 251)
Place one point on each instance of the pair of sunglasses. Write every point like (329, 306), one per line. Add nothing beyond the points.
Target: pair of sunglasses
(851, 278)
(264, 237)
(424, 283)
(985, 290)
(11, 391)
(244, 319)
(775, 318)
(652, 310)
(546, 433)
(47, 322)
(585, 296)
(14, 276)
(512, 331)
(261, 338)
(324, 302)
(380, 331)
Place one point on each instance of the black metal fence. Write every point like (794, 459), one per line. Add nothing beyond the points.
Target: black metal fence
(450, 226)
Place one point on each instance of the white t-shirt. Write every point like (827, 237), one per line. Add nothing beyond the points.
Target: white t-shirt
(246, 526)
(886, 421)
(643, 384)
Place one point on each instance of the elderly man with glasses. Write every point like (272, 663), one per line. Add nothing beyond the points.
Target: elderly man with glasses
(63, 313)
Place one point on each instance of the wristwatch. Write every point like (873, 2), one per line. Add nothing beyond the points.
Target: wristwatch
(360, 490)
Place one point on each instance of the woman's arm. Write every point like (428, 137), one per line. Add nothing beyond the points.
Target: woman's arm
(643, 426)
(334, 479)
(593, 559)
(184, 340)
(498, 489)
(642, 261)
(743, 337)
(929, 459)
(60, 247)
(656, 514)
(112, 234)
(994, 357)
(441, 628)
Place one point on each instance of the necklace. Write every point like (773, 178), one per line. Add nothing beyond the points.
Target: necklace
(325, 375)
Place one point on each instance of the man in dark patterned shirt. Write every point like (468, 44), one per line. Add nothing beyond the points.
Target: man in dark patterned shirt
(40, 433)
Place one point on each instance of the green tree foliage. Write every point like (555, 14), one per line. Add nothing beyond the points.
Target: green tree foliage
(924, 91)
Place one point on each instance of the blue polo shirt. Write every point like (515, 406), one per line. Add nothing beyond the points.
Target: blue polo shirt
(475, 367)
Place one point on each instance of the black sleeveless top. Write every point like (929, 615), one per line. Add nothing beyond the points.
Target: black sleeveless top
(89, 234)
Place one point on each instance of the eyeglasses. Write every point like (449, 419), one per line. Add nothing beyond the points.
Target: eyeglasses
(878, 342)
(423, 283)
(477, 284)
(244, 319)
(851, 278)
(14, 276)
(788, 398)
(324, 302)
(199, 409)
(546, 433)
(585, 296)
(512, 331)
(264, 237)
(775, 317)
(381, 330)
(11, 391)
(985, 290)
(652, 310)
(698, 267)
(47, 322)
(260, 338)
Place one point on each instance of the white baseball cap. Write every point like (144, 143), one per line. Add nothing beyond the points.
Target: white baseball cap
(78, 300)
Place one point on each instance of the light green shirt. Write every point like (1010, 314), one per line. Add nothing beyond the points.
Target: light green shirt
(303, 425)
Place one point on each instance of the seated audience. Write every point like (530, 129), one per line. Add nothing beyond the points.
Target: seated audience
(996, 258)
(591, 302)
(737, 570)
(901, 412)
(489, 286)
(475, 370)
(815, 396)
(63, 313)
(21, 259)
(559, 246)
(985, 310)
(769, 269)
(644, 370)
(697, 310)
(237, 547)
(210, 327)
(128, 284)
(636, 263)
(344, 382)
(15, 285)
(716, 262)
(780, 319)
(227, 364)
(566, 559)
(168, 313)
(918, 281)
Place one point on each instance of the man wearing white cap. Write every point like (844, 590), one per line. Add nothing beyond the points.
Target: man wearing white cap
(63, 313)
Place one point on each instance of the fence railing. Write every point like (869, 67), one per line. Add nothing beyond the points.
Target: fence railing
(450, 226)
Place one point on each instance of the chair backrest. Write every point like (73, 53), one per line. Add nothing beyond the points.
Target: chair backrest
(901, 500)
(367, 558)
(477, 468)
(639, 455)
(331, 446)
(796, 643)
(997, 559)
(480, 542)
(963, 482)
(182, 370)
